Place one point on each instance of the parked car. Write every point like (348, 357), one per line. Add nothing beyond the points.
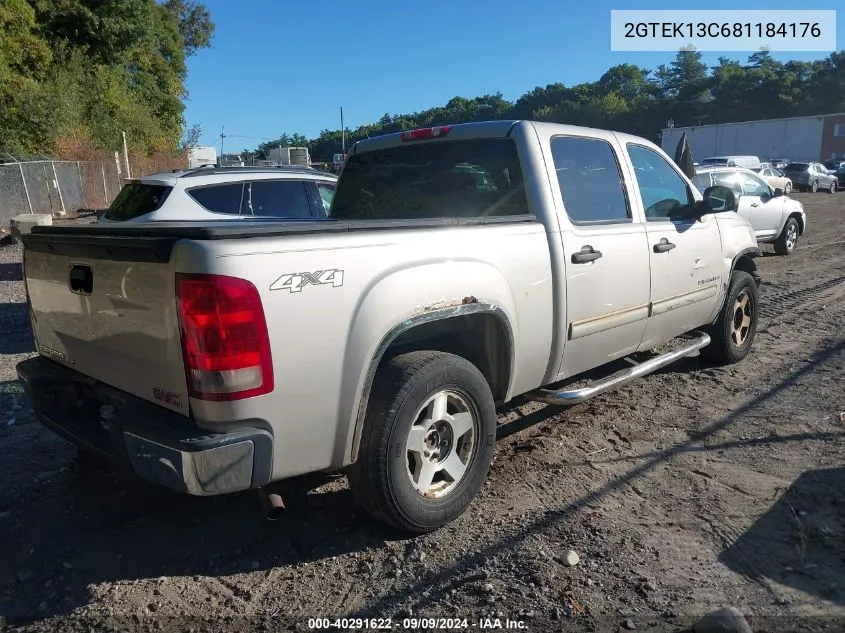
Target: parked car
(775, 179)
(775, 217)
(216, 358)
(224, 193)
(779, 163)
(840, 177)
(810, 177)
(748, 162)
(834, 164)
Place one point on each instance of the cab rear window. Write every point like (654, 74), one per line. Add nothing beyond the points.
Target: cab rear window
(137, 199)
(442, 179)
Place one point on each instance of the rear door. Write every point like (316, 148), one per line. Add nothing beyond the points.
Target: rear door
(607, 267)
(759, 206)
(685, 254)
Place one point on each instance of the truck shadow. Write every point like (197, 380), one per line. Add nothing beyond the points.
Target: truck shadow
(11, 271)
(15, 331)
(78, 528)
(65, 533)
(800, 541)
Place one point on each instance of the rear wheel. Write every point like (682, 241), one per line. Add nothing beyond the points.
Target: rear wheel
(733, 332)
(427, 441)
(788, 239)
(814, 187)
(788, 188)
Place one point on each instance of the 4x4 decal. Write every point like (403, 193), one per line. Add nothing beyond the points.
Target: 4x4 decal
(295, 282)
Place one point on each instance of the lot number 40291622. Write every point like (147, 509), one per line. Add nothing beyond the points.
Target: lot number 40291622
(295, 282)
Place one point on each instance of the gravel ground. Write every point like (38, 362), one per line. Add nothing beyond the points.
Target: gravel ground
(693, 488)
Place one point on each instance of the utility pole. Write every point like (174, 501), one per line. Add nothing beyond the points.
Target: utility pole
(222, 136)
(342, 133)
(126, 156)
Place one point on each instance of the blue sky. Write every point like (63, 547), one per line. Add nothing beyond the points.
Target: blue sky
(278, 66)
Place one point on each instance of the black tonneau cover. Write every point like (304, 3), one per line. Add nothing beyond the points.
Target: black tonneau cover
(153, 241)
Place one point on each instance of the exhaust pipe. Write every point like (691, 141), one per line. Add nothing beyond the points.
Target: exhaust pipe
(271, 502)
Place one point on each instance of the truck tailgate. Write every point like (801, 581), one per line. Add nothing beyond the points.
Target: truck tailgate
(114, 321)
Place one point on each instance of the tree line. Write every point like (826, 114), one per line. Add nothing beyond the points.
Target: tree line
(636, 100)
(75, 73)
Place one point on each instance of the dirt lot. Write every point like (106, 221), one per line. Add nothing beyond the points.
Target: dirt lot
(694, 488)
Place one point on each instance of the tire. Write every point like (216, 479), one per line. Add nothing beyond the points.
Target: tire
(740, 304)
(832, 188)
(787, 189)
(814, 187)
(389, 476)
(788, 239)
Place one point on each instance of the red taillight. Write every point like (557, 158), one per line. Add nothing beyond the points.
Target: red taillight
(426, 132)
(224, 337)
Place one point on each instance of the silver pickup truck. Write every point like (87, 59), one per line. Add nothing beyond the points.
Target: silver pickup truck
(462, 267)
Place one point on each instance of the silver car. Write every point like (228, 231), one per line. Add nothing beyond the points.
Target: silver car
(810, 177)
(225, 193)
(774, 216)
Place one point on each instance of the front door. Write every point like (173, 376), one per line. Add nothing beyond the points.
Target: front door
(685, 254)
(607, 267)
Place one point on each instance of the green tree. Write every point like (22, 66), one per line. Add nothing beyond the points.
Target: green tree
(89, 69)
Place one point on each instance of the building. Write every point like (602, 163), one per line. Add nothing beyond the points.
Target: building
(199, 156)
(807, 138)
(288, 155)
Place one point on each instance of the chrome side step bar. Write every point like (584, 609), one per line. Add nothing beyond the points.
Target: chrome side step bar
(576, 396)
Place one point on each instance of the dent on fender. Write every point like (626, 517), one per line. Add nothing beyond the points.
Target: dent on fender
(441, 304)
(464, 306)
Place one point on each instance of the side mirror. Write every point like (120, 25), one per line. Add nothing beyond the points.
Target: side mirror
(778, 192)
(718, 198)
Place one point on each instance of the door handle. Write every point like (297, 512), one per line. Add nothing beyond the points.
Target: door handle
(753, 204)
(664, 246)
(81, 279)
(587, 254)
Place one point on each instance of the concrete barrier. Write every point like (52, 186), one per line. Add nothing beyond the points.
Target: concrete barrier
(22, 224)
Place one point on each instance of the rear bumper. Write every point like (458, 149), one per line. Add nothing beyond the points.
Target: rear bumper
(159, 446)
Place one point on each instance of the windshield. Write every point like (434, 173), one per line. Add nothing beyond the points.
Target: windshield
(447, 179)
(796, 167)
(136, 199)
(715, 161)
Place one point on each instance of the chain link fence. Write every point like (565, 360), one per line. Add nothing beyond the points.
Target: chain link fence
(56, 187)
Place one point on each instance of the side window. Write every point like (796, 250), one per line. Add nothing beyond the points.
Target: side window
(702, 181)
(326, 195)
(589, 179)
(753, 186)
(279, 199)
(664, 192)
(219, 198)
(728, 179)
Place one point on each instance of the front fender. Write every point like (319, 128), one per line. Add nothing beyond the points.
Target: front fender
(401, 299)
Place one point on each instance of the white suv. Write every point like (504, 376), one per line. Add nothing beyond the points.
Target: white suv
(220, 193)
(774, 216)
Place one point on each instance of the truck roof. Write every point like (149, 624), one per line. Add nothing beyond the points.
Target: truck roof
(489, 129)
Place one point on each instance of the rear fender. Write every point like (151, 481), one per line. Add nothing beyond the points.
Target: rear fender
(391, 308)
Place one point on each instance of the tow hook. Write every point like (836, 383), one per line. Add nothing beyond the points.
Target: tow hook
(272, 503)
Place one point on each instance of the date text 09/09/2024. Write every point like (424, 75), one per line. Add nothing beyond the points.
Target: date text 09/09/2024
(721, 29)
(415, 624)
